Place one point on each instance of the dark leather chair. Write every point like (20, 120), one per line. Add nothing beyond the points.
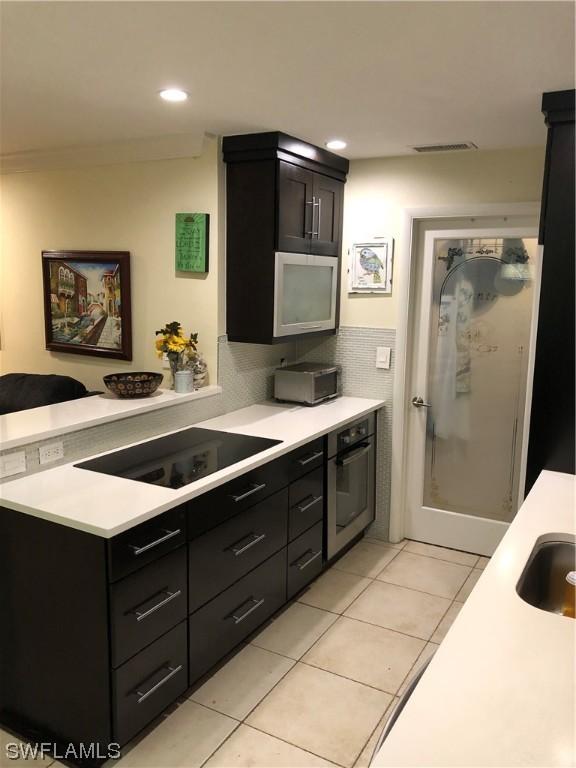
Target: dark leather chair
(20, 391)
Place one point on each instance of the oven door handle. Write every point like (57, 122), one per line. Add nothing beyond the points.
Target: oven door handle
(354, 455)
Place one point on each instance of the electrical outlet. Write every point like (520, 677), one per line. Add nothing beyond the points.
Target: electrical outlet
(165, 361)
(12, 464)
(51, 452)
(383, 357)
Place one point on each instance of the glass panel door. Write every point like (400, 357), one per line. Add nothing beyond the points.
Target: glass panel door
(477, 369)
(304, 293)
(307, 295)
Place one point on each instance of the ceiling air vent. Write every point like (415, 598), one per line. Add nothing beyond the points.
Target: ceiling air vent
(445, 147)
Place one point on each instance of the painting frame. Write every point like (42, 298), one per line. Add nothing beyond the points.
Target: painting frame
(362, 281)
(117, 286)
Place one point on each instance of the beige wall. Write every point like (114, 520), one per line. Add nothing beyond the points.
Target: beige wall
(121, 207)
(379, 190)
(132, 206)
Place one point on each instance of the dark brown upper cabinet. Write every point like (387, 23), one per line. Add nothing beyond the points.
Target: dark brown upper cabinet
(283, 195)
(309, 211)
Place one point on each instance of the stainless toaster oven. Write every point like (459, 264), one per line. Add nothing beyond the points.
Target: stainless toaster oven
(307, 383)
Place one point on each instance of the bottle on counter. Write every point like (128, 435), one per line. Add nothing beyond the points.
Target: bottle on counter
(569, 607)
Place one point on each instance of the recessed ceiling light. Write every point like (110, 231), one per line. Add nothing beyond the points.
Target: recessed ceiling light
(173, 94)
(336, 144)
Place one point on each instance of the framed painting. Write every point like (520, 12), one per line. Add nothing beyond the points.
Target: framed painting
(370, 268)
(87, 303)
(192, 234)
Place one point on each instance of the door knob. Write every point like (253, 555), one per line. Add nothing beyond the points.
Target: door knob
(419, 403)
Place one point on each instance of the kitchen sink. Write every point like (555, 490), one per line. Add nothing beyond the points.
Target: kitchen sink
(543, 581)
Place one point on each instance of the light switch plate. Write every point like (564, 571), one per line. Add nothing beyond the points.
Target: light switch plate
(383, 357)
(165, 361)
(51, 452)
(12, 464)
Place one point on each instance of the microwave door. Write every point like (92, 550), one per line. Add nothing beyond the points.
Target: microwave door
(305, 292)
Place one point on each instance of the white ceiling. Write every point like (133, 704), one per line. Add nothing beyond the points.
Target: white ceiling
(383, 75)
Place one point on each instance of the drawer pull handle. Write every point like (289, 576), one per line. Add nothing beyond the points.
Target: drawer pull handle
(311, 457)
(238, 550)
(140, 615)
(249, 492)
(312, 556)
(167, 535)
(305, 507)
(254, 605)
(143, 695)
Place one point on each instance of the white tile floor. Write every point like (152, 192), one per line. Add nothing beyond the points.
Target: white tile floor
(314, 687)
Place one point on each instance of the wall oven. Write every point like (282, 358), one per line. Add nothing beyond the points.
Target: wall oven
(350, 482)
(305, 293)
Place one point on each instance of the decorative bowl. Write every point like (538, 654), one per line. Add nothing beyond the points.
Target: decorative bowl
(140, 384)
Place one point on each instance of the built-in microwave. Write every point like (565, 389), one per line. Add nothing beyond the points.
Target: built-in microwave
(305, 293)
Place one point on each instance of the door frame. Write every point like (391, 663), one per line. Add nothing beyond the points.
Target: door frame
(406, 281)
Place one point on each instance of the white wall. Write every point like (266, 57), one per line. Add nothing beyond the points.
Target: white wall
(378, 190)
(116, 207)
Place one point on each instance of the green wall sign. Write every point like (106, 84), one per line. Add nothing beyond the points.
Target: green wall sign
(192, 242)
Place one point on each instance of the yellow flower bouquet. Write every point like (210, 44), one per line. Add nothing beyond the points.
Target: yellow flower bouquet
(181, 350)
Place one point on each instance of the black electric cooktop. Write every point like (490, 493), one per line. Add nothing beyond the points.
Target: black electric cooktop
(179, 459)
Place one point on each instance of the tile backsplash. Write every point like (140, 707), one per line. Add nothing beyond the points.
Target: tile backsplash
(355, 350)
(245, 373)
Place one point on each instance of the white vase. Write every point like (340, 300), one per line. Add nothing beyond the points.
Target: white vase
(183, 381)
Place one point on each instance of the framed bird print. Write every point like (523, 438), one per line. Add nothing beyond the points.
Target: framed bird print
(370, 267)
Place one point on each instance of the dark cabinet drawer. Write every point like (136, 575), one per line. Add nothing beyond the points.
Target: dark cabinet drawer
(225, 621)
(212, 508)
(222, 556)
(306, 502)
(306, 458)
(148, 683)
(147, 604)
(305, 559)
(146, 542)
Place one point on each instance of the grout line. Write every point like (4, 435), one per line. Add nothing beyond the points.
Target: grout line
(368, 578)
(394, 695)
(315, 641)
(304, 749)
(247, 715)
(450, 549)
(232, 732)
(421, 591)
(362, 575)
(352, 679)
(388, 712)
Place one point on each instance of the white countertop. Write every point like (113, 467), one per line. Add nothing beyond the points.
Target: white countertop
(107, 505)
(500, 690)
(48, 421)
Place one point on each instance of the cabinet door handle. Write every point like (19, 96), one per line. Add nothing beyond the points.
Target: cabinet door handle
(313, 500)
(238, 550)
(140, 615)
(310, 556)
(314, 205)
(311, 457)
(168, 535)
(319, 215)
(249, 492)
(143, 695)
(255, 604)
